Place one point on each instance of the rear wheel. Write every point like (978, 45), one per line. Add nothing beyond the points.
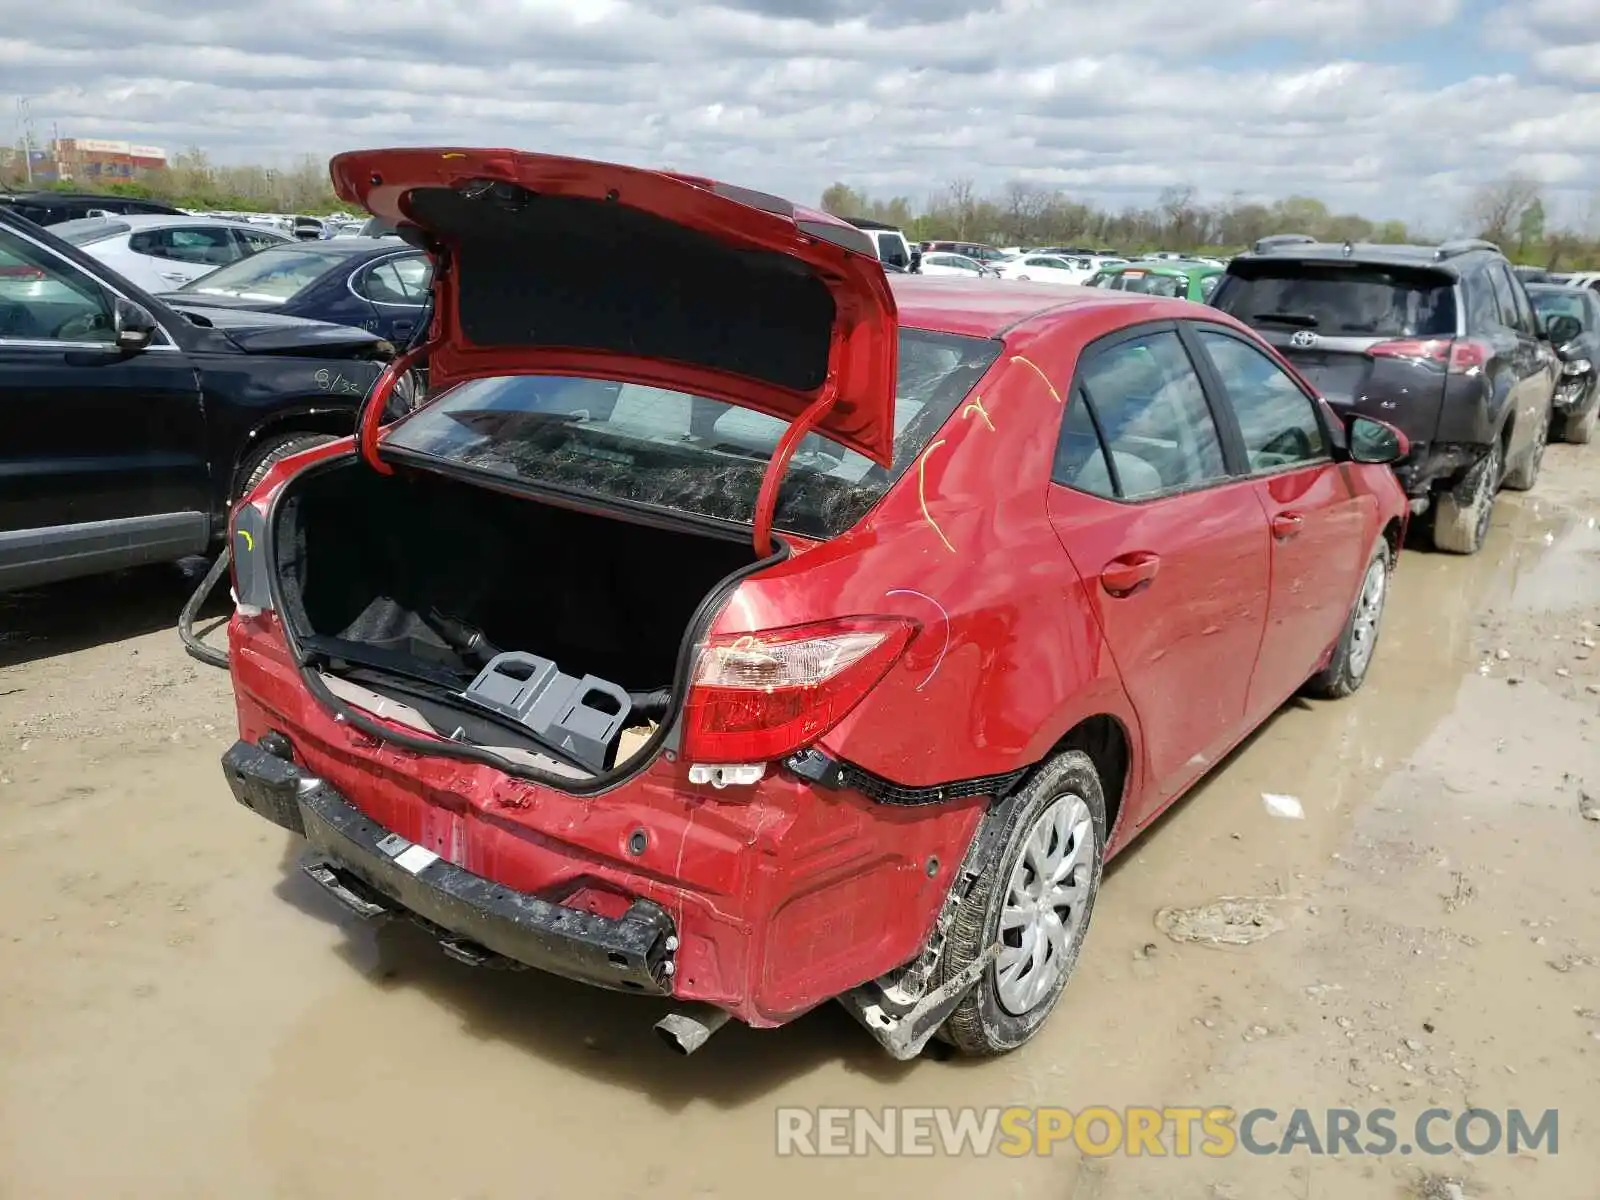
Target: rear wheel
(273, 451)
(1461, 516)
(1347, 670)
(1035, 897)
(1523, 476)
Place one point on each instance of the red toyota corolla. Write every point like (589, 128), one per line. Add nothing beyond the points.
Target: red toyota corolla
(733, 626)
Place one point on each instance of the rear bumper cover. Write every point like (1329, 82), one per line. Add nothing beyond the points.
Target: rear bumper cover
(631, 953)
(1432, 463)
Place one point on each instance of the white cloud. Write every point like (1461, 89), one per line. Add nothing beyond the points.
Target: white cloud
(896, 96)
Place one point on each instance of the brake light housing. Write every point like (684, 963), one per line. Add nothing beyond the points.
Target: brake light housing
(756, 697)
(1457, 356)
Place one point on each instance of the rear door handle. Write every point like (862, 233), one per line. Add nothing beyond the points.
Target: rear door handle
(1287, 525)
(1127, 574)
(174, 276)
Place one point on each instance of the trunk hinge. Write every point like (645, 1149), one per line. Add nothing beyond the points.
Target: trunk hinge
(778, 465)
(370, 419)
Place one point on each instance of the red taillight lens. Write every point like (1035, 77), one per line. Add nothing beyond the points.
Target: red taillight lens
(762, 696)
(21, 271)
(1457, 356)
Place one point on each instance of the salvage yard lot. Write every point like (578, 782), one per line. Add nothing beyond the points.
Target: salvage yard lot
(183, 1014)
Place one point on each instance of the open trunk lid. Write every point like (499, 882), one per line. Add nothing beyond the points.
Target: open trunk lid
(561, 266)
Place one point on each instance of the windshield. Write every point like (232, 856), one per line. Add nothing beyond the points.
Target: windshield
(1173, 286)
(87, 230)
(1332, 299)
(276, 273)
(672, 450)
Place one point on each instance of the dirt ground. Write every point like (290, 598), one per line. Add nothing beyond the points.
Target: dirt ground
(183, 1014)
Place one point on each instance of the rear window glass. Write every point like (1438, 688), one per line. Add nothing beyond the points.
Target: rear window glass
(1173, 286)
(1334, 300)
(277, 273)
(669, 449)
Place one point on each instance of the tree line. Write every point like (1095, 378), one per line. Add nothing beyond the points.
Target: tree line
(1509, 212)
(193, 181)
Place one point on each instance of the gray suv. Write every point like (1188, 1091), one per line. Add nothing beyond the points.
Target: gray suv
(1440, 341)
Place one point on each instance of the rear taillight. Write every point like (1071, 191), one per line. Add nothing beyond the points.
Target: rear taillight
(1458, 356)
(21, 271)
(762, 696)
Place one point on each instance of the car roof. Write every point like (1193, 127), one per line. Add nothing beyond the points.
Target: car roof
(1162, 266)
(984, 308)
(1446, 257)
(345, 247)
(157, 220)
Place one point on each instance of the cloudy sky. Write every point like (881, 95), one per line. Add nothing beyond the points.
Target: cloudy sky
(1390, 107)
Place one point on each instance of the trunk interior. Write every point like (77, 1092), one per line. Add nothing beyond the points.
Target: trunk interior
(408, 585)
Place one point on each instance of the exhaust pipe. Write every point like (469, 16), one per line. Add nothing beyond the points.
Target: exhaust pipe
(690, 1027)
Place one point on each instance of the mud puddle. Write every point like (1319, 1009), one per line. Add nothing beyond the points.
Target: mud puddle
(182, 1014)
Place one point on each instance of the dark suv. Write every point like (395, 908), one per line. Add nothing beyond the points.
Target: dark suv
(128, 424)
(1439, 340)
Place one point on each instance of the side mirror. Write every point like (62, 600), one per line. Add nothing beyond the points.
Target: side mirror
(1376, 442)
(133, 325)
(1562, 328)
(916, 260)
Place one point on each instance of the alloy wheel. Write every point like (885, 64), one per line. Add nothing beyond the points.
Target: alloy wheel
(1488, 486)
(1046, 903)
(1368, 614)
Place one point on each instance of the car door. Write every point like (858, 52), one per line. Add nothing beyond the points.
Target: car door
(396, 289)
(102, 453)
(1316, 516)
(1517, 348)
(1172, 545)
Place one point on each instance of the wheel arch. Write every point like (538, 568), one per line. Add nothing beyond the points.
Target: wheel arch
(310, 415)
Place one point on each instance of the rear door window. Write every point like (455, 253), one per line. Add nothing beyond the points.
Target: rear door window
(1341, 300)
(1277, 421)
(669, 449)
(204, 245)
(1080, 454)
(1151, 410)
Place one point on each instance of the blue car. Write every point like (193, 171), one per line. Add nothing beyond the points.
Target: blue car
(377, 284)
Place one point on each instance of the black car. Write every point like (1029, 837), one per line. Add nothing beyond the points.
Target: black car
(127, 425)
(1441, 341)
(377, 284)
(1571, 316)
(51, 208)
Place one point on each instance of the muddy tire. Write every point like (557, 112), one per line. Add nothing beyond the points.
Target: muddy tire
(1580, 429)
(1035, 896)
(1523, 476)
(273, 451)
(1352, 657)
(1461, 516)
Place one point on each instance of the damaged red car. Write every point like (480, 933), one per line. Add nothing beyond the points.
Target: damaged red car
(733, 625)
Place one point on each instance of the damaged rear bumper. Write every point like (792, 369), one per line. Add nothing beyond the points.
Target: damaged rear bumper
(376, 872)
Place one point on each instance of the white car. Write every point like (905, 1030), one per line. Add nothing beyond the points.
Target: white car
(942, 262)
(1046, 268)
(162, 253)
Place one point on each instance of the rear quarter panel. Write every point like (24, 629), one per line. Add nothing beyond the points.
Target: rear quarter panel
(1008, 657)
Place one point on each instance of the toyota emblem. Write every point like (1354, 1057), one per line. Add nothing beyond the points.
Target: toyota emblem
(1303, 340)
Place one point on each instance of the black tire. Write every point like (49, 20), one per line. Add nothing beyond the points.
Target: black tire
(1525, 474)
(982, 1024)
(273, 451)
(1579, 428)
(1347, 669)
(1461, 515)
